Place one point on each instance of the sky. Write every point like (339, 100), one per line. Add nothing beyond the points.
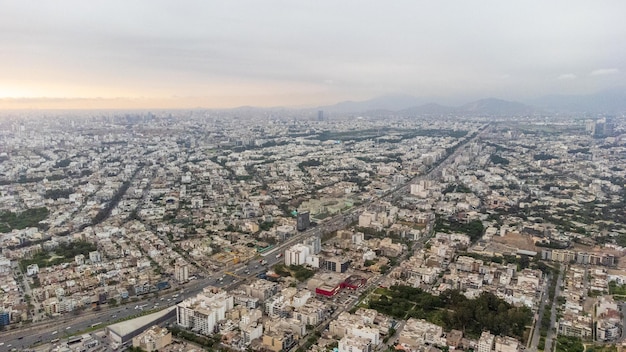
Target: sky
(216, 54)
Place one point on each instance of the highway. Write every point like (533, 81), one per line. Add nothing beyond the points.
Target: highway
(68, 324)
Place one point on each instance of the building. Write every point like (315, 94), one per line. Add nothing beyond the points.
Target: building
(320, 115)
(181, 272)
(355, 344)
(95, 257)
(354, 282)
(79, 259)
(506, 344)
(303, 221)
(336, 264)
(606, 330)
(314, 243)
(576, 326)
(250, 332)
(417, 332)
(297, 254)
(485, 342)
(366, 219)
(124, 332)
(32, 269)
(202, 312)
(5, 318)
(261, 289)
(153, 339)
(304, 253)
(455, 339)
(278, 341)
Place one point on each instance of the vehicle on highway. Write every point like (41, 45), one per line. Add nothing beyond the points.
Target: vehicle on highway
(54, 332)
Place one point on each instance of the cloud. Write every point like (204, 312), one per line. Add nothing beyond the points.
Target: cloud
(324, 50)
(567, 76)
(604, 72)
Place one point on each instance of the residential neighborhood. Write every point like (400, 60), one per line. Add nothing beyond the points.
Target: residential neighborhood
(178, 231)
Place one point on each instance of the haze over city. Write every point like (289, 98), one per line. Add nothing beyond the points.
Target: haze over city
(158, 54)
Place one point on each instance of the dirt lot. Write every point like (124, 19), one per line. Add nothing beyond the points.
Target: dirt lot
(517, 240)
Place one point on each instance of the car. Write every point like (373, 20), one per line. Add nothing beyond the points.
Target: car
(67, 328)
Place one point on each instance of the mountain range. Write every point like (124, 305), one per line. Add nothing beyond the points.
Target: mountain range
(607, 101)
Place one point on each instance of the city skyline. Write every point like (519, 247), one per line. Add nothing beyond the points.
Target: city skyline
(72, 54)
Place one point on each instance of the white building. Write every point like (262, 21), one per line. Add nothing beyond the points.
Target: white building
(297, 254)
(79, 259)
(32, 269)
(95, 257)
(485, 342)
(202, 312)
(355, 344)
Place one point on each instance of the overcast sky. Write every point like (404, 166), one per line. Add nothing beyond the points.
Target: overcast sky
(301, 53)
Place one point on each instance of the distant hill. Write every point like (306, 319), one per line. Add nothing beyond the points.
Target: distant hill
(386, 102)
(493, 106)
(428, 109)
(609, 101)
(406, 105)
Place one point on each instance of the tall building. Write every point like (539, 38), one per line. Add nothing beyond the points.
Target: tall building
(5, 318)
(320, 115)
(297, 254)
(202, 312)
(485, 343)
(95, 257)
(181, 272)
(314, 243)
(336, 264)
(303, 221)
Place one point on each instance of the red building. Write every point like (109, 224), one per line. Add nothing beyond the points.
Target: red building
(328, 291)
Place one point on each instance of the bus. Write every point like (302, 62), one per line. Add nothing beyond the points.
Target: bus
(95, 324)
(54, 340)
